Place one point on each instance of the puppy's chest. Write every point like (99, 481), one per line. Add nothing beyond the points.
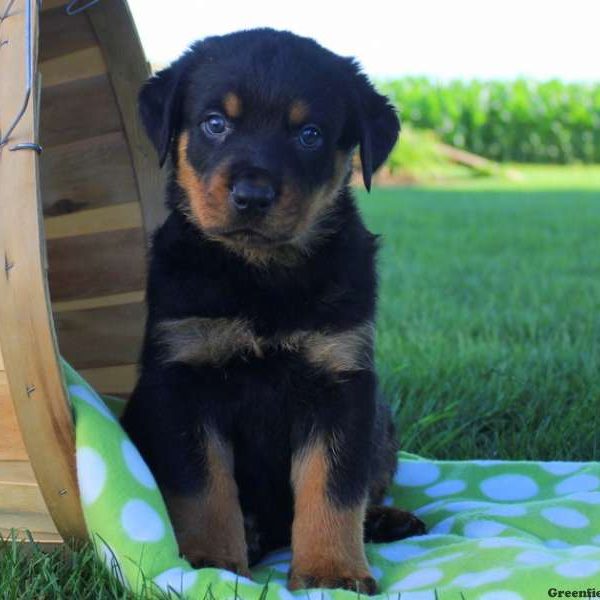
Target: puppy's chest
(202, 341)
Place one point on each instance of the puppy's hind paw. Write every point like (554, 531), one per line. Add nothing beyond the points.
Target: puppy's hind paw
(387, 523)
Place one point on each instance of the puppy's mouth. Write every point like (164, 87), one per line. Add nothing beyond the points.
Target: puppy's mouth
(250, 237)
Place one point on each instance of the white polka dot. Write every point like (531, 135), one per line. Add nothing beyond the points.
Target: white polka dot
(400, 551)
(577, 483)
(584, 550)
(596, 539)
(92, 399)
(578, 568)
(141, 522)
(507, 510)
(535, 557)
(509, 487)
(560, 544)
(377, 573)
(446, 488)
(504, 542)
(586, 497)
(441, 559)
(465, 505)
(501, 595)
(417, 579)
(91, 474)
(176, 579)
(388, 501)
(136, 465)
(422, 595)
(443, 527)
(314, 594)
(483, 528)
(427, 508)
(285, 595)
(471, 580)
(565, 517)
(414, 474)
(560, 467)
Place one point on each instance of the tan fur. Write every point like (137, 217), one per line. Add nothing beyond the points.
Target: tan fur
(298, 112)
(232, 104)
(207, 205)
(210, 527)
(307, 230)
(295, 218)
(204, 341)
(198, 341)
(343, 351)
(327, 541)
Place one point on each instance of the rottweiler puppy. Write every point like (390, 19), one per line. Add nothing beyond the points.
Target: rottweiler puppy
(257, 407)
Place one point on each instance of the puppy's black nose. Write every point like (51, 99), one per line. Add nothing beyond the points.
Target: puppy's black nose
(249, 197)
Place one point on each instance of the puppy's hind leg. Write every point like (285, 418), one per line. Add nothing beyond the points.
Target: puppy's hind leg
(386, 523)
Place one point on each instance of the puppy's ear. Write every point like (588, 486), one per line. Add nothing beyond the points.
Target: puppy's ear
(159, 102)
(377, 125)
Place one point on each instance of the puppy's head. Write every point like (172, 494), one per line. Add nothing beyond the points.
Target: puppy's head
(261, 126)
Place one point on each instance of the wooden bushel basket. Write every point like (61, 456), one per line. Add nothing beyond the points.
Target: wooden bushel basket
(79, 189)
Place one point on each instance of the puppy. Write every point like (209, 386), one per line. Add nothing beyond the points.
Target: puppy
(256, 406)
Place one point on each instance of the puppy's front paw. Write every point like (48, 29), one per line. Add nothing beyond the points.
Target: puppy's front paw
(361, 582)
(219, 563)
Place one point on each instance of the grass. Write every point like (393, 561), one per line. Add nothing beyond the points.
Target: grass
(489, 322)
(27, 573)
(488, 336)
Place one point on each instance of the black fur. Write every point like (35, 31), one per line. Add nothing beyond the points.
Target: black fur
(267, 407)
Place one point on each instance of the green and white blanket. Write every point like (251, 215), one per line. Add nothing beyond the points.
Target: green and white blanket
(497, 530)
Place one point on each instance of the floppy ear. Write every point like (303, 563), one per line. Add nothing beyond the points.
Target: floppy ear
(158, 103)
(377, 123)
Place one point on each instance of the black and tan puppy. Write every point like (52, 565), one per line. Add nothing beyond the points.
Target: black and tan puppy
(256, 407)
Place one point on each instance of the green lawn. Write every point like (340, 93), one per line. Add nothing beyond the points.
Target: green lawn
(489, 322)
(489, 335)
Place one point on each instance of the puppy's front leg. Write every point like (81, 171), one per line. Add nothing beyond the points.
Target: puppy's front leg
(330, 482)
(209, 525)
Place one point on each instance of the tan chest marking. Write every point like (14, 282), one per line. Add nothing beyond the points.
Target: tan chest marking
(199, 341)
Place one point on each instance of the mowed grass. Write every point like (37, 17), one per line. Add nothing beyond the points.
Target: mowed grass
(488, 337)
(489, 323)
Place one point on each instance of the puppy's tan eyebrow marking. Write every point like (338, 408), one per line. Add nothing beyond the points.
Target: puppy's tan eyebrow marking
(232, 104)
(202, 341)
(298, 112)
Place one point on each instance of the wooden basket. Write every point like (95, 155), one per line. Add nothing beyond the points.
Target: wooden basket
(73, 223)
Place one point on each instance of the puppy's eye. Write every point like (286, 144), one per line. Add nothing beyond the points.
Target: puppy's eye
(310, 136)
(215, 125)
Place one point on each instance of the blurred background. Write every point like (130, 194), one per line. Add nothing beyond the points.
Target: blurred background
(489, 209)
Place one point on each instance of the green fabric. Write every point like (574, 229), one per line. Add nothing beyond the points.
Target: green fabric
(497, 530)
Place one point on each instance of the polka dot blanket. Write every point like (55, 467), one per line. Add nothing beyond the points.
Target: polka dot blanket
(497, 530)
